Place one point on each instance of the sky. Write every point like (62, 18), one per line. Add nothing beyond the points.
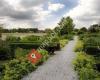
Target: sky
(47, 13)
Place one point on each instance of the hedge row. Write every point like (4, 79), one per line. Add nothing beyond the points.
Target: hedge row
(50, 48)
(25, 45)
(92, 45)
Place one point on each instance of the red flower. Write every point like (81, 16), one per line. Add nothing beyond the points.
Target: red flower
(34, 56)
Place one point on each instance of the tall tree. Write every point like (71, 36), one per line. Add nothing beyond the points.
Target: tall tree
(67, 25)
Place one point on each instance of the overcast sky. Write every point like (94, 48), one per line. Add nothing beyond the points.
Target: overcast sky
(47, 13)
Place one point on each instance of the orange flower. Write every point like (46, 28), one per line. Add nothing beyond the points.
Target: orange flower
(34, 56)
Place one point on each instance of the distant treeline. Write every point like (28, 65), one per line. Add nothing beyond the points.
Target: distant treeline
(93, 28)
(22, 30)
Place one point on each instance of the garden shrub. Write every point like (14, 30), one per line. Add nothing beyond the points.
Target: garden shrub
(79, 46)
(5, 51)
(81, 37)
(2, 68)
(55, 39)
(20, 52)
(92, 45)
(84, 64)
(30, 38)
(16, 69)
(12, 39)
(68, 36)
(45, 55)
(63, 42)
(83, 60)
(25, 45)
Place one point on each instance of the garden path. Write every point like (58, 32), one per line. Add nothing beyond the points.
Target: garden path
(57, 67)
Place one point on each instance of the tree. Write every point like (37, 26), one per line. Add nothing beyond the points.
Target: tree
(82, 30)
(67, 25)
(94, 28)
(48, 30)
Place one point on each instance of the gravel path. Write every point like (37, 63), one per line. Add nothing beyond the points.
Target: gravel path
(58, 67)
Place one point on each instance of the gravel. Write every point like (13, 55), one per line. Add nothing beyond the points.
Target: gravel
(57, 67)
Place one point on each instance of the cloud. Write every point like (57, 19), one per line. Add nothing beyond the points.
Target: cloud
(55, 6)
(9, 15)
(31, 3)
(7, 11)
(33, 12)
(85, 13)
(41, 14)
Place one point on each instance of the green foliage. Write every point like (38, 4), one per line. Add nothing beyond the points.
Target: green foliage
(83, 60)
(48, 30)
(55, 39)
(84, 64)
(69, 37)
(12, 39)
(16, 69)
(19, 52)
(45, 55)
(82, 31)
(63, 42)
(79, 46)
(67, 26)
(25, 45)
(92, 45)
(94, 28)
(31, 38)
(5, 51)
(21, 30)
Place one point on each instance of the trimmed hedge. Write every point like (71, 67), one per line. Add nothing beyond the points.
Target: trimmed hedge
(92, 45)
(5, 51)
(25, 45)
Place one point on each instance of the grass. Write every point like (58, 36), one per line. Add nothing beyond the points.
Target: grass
(4, 35)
